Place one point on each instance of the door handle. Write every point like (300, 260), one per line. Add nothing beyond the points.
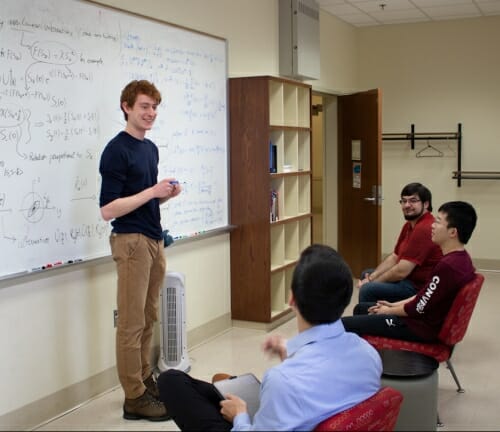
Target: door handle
(376, 197)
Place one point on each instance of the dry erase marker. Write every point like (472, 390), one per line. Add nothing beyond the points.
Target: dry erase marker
(176, 182)
(46, 266)
(36, 269)
(57, 263)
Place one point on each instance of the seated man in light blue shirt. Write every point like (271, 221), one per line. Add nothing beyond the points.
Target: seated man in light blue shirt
(324, 369)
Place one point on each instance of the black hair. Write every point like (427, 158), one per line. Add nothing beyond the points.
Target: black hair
(462, 216)
(321, 284)
(423, 193)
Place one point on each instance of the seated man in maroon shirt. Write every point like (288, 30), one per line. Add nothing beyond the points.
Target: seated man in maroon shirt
(420, 317)
(405, 271)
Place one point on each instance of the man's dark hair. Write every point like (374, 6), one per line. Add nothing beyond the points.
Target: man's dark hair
(420, 190)
(321, 284)
(462, 216)
(134, 89)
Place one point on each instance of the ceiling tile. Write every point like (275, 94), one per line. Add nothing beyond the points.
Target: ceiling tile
(362, 1)
(459, 10)
(329, 2)
(412, 15)
(358, 19)
(489, 7)
(393, 5)
(341, 9)
(369, 12)
(434, 3)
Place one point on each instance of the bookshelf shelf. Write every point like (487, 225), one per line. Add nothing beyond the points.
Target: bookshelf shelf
(266, 111)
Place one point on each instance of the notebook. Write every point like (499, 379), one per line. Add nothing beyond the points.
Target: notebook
(245, 386)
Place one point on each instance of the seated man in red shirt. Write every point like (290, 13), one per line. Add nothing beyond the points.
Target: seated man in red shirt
(419, 318)
(406, 270)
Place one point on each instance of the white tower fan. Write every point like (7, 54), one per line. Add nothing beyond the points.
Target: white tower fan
(173, 341)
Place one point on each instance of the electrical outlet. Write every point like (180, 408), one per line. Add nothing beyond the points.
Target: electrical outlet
(115, 317)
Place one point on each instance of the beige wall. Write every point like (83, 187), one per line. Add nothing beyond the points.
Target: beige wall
(338, 53)
(250, 27)
(436, 75)
(57, 331)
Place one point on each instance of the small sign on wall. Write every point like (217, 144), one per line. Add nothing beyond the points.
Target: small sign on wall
(356, 150)
(356, 175)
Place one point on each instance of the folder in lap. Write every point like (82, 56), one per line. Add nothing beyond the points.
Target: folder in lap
(246, 387)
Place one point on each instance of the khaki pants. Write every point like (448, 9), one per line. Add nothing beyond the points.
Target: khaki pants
(140, 265)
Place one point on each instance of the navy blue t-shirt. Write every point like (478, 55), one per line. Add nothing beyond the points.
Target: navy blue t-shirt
(128, 166)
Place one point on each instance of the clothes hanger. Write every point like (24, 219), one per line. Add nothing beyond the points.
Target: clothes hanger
(429, 151)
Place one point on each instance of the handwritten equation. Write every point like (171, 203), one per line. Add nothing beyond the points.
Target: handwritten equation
(62, 68)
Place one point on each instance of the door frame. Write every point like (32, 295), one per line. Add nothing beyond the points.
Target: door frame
(330, 168)
(331, 180)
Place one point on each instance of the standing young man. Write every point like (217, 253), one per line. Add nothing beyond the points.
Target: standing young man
(324, 370)
(131, 196)
(408, 267)
(420, 317)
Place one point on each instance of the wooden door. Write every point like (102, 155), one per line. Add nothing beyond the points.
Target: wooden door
(360, 179)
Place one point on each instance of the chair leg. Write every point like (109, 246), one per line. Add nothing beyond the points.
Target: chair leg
(454, 375)
(439, 424)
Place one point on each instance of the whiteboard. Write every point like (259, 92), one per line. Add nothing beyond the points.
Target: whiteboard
(63, 65)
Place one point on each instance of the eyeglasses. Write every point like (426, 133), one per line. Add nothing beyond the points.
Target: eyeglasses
(409, 201)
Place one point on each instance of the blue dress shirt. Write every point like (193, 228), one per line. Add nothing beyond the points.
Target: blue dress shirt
(328, 370)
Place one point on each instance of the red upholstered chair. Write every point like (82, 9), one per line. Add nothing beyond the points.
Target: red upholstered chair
(377, 413)
(452, 332)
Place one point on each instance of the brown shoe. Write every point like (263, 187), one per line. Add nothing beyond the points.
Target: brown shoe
(145, 407)
(220, 377)
(151, 385)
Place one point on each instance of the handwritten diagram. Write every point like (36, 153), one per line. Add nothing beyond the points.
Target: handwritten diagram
(62, 68)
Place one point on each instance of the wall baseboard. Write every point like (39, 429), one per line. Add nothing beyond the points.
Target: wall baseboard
(34, 414)
(52, 406)
(209, 330)
(265, 326)
(487, 264)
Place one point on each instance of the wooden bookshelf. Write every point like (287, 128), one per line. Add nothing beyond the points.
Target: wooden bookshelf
(264, 253)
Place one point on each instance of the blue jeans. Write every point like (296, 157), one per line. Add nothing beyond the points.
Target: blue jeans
(390, 291)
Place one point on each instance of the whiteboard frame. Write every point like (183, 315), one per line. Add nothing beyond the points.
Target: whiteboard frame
(201, 235)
